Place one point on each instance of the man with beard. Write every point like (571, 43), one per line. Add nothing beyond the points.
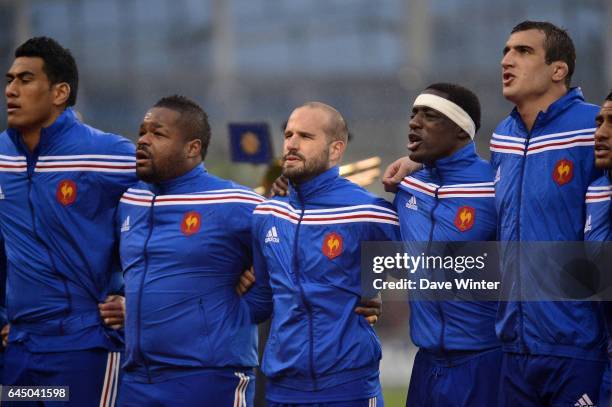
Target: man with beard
(60, 181)
(450, 199)
(185, 238)
(307, 252)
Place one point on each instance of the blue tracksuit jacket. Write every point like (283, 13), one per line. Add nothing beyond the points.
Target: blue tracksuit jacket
(184, 243)
(430, 205)
(542, 176)
(57, 207)
(307, 250)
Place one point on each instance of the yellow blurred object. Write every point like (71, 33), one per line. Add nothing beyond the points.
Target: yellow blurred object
(359, 166)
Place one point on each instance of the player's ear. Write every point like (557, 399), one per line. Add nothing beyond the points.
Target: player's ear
(194, 148)
(336, 151)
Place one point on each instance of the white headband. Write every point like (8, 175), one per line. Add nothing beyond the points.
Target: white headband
(448, 109)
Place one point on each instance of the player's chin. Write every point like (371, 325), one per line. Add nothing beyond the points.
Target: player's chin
(418, 156)
(145, 173)
(292, 170)
(604, 163)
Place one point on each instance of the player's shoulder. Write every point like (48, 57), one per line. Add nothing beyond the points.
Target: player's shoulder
(105, 142)
(229, 192)
(579, 115)
(354, 194)
(505, 127)
(6, 143)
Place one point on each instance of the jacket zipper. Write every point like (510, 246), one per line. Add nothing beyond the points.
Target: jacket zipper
(296, 270)
(429, 242)
(142, 279)
(518, 226)
(32, 159)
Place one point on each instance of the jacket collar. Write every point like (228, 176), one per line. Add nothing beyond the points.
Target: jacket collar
(456, 162)
(47, 134)
(182, 184)
(308, 190)
(572, 96)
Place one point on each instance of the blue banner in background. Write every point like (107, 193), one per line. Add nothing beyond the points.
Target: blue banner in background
(250, 142)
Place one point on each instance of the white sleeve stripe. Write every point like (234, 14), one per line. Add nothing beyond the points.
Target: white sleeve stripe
(13, 164)
(208, 202)
(560, 141)
(507, 151)
(445, 190)
(137, 203)
(562, 147)
(476, 184)
(459, 195)
(495, 143)
(140, 191)
(425, 185)
(13, 169)
(87, 156)
(565, 133)
(518, 139)
(97, 169)
(13, 158)
(194, 197)
(242, 191)
(284, 206)
(58, 164)
(418, 189)
(340, 217)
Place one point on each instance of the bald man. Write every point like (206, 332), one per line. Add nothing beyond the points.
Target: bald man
(307, 254)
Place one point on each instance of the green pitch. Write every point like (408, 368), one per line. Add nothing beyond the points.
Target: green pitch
(394, 396)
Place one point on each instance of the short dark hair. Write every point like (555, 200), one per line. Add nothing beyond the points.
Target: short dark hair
(609, 97)
(59, 64)
(461, 96)
(557, 44)
(194, 119)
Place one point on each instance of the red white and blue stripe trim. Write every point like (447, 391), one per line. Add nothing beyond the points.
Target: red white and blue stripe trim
(86, 162)
(9, 163)
(540, 144)
(473, 190)
(412, 184)
(562, 141)
(599, 194)
(142, 197)
(111, 380)
(240, 392)
(507, 144)
(345, 214)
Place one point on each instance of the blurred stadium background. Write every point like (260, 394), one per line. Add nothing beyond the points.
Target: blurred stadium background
(254, 60)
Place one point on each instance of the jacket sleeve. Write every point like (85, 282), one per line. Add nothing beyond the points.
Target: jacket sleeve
(115, 282)
(115, 183)
(259, 297)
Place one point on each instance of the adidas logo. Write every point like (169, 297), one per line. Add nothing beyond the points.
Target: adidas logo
(497, 175)
(584, 401)
(1, 193)
(126, 225)
(587, 225)
(412, 203)
(272, 236)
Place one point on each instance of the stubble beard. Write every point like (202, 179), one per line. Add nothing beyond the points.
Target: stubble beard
(309, 169)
